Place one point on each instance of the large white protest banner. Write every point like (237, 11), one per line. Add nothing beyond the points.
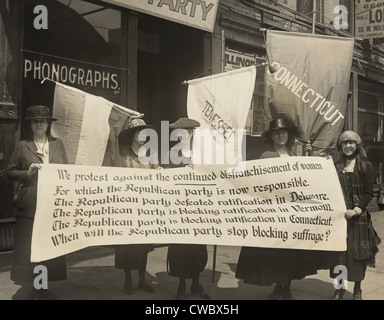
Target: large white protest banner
(293, 202)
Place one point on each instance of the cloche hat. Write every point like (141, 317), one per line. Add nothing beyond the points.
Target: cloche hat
(185, 123)
(125, 136)
(38, 112)
(349, 136)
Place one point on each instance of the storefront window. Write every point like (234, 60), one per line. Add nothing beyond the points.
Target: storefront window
(371, 111)
(80, 48)
(306, 7)
(237, 57)
(371, 123)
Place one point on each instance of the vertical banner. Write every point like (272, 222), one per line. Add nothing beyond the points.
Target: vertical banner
(221, 104)
(308, 82)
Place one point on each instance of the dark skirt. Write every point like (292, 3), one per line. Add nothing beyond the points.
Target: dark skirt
(186, 260)
(132, 256)
(22, 268)
(356, 268)
(266, 266)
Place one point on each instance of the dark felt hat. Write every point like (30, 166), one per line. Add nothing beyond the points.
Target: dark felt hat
(38, 112)
(185, 123)
(278, 124)
(125, 136)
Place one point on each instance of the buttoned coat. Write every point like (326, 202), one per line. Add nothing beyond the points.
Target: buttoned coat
(24, 155)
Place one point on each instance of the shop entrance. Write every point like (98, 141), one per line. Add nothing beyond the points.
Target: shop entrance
(169, 54)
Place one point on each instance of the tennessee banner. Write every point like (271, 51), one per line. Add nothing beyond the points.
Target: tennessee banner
(221, 104)
(293, 202)
(307, 81)
(87, 124)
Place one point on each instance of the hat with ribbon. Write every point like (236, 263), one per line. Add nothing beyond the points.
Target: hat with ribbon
(184, 123)
(278, 124)
(38, 112)
(125, 136)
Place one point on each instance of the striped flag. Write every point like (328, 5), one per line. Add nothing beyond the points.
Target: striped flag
(88, 125)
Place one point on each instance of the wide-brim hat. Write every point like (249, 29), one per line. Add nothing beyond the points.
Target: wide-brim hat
(38, 112)
(184, 123)
(125, 136)
(278, 124)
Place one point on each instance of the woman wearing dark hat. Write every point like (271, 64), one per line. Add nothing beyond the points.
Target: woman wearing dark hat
(134, 256)
(280, 138)
(26, 160)
(268, 266)
(356, 178)
(186, 261)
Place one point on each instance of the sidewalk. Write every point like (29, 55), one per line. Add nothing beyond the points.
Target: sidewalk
(91, 276)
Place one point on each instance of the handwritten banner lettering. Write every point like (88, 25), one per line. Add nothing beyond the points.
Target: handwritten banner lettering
(293, 202)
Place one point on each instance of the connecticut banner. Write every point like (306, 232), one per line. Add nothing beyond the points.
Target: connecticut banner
(293, 202)
(308, 82)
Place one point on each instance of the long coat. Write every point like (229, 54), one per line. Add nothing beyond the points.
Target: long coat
(23, 156)
(133, 256)
(266, 266)
(362, 239)
(186, 260)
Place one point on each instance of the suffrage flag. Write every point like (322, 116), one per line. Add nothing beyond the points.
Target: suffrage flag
(221, 104)
(307, 81)
(87, 124)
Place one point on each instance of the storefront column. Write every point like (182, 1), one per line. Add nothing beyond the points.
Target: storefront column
(129, 26)
(207, 59)
(355, 103)
(10, 100)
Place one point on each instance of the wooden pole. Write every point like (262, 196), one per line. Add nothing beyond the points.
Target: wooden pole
(222, 70)
(314, 17)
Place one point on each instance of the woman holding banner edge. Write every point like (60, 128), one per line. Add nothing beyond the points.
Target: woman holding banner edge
(267, 266)
(23, 168)
(356, 178)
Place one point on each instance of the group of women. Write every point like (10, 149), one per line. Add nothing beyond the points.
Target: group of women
(258, 266)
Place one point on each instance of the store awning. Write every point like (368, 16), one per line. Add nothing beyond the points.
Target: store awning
(200, 14)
